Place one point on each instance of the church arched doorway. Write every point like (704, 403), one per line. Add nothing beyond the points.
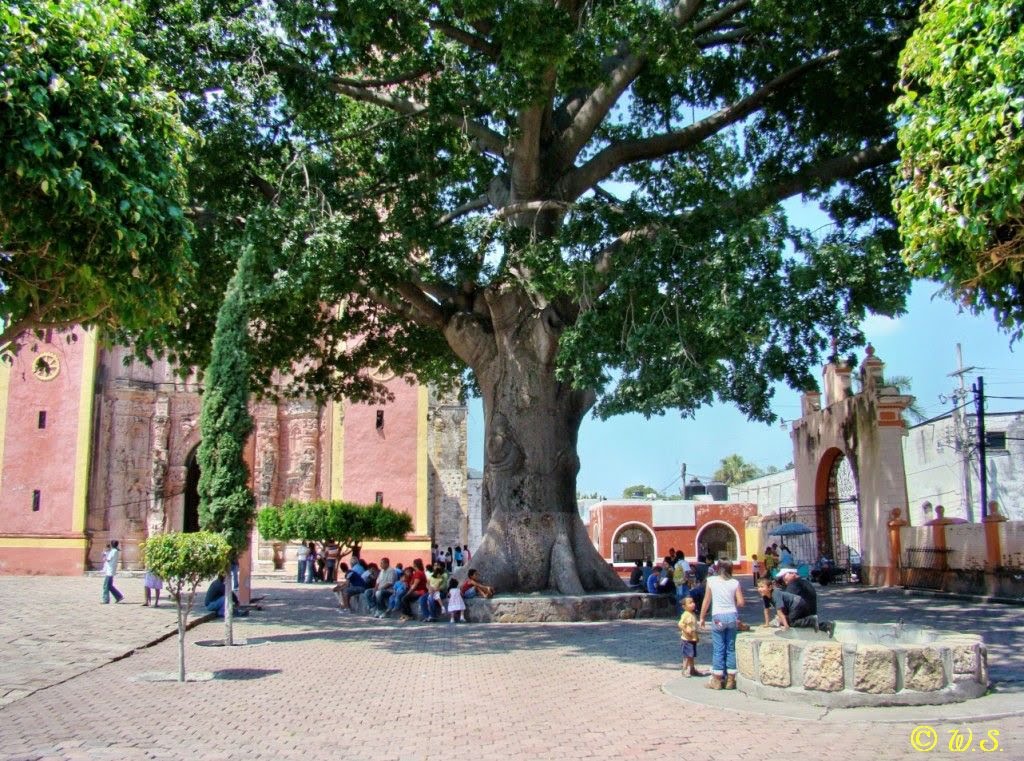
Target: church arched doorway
(190, 516)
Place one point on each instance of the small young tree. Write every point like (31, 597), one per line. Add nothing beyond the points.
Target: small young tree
(184, 561)
(346, 523)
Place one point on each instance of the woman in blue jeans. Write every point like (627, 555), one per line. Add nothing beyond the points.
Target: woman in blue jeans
(724, 599)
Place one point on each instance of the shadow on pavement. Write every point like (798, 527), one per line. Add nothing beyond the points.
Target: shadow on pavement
(244, 675)
(315, 615)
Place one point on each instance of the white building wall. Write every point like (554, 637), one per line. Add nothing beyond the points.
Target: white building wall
(770, 493)
(934, 472)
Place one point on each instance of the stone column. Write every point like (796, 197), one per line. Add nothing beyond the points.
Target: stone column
(893, 571)
(939, 537)
(993, 546)
(160, 436)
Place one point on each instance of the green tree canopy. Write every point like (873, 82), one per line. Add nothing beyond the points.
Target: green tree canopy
(577, 205)
(92, 182)
(735, 470)
(348, 524)
(960, 192)
(639, 489)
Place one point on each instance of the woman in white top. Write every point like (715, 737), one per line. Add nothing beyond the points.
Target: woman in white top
(724, 599)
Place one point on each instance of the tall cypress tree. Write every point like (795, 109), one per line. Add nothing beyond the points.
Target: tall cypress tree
(225, 500)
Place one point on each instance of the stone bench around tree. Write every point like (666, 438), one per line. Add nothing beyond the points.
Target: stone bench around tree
(547, 607)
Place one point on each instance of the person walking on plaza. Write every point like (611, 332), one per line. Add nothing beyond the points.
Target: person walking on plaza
(110, 558)
(152, 585)
(723, 599)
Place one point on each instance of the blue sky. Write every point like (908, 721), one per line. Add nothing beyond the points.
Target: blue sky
(921, 344)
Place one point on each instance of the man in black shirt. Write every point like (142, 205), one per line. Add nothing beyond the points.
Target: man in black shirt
(804, 613)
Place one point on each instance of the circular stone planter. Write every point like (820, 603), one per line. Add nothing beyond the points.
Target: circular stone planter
(862, 665)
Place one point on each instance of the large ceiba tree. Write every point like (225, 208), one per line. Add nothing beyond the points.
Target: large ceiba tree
(573, 206)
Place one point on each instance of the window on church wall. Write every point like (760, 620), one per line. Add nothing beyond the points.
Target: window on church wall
(632, 543)
(42, 419)
(379, 498)
(380, 420)
(37, 497)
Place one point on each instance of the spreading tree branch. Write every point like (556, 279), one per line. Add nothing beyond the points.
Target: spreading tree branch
(823, 174)
(756, 200)
(470, 40)
(719, 17)
(476, 204)
(618, 155)
(386, 82)
(488, 139)
(604, 97)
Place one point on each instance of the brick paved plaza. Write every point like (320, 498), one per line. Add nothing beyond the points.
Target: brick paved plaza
(314, 684)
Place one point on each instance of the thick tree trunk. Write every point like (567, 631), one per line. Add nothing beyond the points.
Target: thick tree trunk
(535, 539)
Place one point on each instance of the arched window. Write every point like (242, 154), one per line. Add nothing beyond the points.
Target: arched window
(718, 541)
(632, 543)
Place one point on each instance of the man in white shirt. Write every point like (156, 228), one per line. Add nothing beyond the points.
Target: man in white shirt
(377, 596)
(110, 558)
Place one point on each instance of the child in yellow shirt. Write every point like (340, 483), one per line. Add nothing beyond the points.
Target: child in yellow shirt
(688, 633)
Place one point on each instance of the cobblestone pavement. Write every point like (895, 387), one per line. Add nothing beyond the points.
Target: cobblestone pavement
(55, 628)
(314, 682)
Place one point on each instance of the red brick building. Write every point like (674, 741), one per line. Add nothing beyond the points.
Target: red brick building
(628, 530)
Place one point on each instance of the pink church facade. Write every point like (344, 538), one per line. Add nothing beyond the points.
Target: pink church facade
(94, 448)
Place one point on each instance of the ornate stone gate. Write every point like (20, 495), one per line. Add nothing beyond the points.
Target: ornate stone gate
(848, 454)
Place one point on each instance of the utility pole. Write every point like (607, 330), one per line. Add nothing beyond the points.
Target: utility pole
(961, 435)
(979, 400)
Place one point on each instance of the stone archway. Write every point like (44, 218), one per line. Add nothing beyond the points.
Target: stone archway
(848, 453)
(720, 542)
(632, 542)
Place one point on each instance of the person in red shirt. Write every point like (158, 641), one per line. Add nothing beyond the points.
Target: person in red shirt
(472, 586)
(417, 588)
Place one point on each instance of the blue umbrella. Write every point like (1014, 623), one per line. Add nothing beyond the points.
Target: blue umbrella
(796, 528)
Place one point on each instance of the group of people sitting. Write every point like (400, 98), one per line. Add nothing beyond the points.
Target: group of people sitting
(675, 576)
(794, 600)
(388, 589)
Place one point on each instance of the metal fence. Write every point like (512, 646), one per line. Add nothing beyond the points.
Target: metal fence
(834, 533)
(925, 567)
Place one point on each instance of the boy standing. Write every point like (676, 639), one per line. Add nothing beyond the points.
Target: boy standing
(110, 558)
(689, 636)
